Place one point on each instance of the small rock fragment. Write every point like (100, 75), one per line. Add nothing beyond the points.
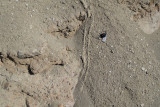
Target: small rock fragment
(142, 105)
(143, 69)
(104, 37)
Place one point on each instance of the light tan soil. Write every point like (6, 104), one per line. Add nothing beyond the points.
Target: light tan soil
(52, 56)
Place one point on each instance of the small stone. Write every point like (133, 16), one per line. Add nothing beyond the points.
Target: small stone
(143, 69)
(22, 55)
(53, 19)
(76, 2)
(26, 5)
(104, 37)
(112, 51)
(142, 105)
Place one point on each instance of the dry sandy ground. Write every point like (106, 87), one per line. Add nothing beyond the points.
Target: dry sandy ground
(52, 56)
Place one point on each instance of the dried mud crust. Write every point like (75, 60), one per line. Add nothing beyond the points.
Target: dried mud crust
(50, 79)
(141, 8)
(31, 64)
(69, 27)
(145, 13)
(37, 59)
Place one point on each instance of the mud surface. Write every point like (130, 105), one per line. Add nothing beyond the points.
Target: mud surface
(52, 54)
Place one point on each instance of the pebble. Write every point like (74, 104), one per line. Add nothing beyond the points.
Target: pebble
(104, 37)
(142, 105)
(147, 44)
(53, 18)
(97, 46)
(143, 69)
(26, 5)
(76, 2)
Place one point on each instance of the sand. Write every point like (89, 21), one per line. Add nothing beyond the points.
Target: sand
(52, 54)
